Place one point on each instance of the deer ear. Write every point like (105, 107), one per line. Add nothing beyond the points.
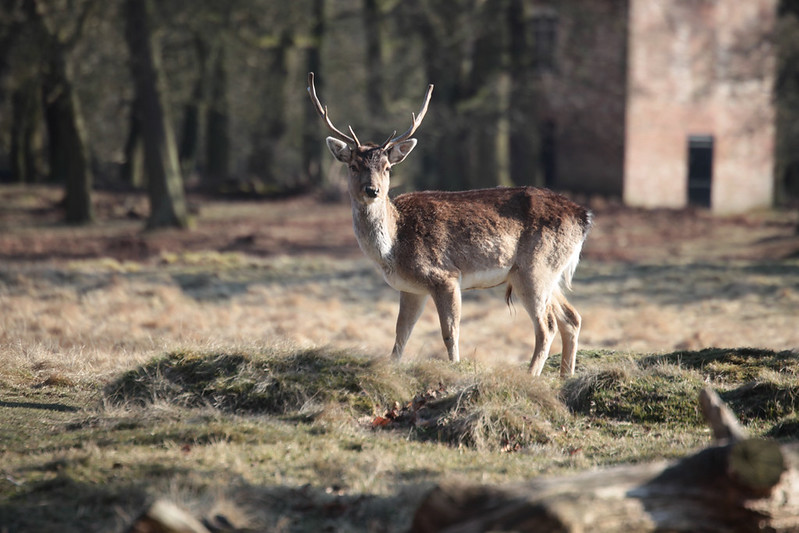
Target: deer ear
(398, 152)
(339, 149)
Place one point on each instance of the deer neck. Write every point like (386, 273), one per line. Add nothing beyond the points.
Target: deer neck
(375, 227)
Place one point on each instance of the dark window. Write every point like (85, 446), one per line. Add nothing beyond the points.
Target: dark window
(700, 169)
(545, 38)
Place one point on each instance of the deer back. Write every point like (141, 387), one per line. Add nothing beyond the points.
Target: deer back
(486, 232)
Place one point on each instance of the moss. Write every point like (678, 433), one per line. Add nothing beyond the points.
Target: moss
(634, 396)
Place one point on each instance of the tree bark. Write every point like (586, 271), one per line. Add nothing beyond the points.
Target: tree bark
(194, 110)
(373, 28)
(524, 143)
(68, 148)
(738, 485)
(272, 126)
(164, 181)
(217, 137)
(311, 149)
(132, 171)
(27, 163)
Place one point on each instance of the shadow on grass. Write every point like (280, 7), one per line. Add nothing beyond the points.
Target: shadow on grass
(42, 406)
(67, 505)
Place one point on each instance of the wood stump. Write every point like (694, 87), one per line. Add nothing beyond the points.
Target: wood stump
(737, 485)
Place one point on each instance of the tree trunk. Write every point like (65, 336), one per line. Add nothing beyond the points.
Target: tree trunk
(482, 119)
(27, 164)
(272, 126)
(443, 165)
(164, 181)
(739, 485)
(132, 171)
(524, 143)
(311, 149)
(193, 111)
(217, 137)
(373, 27)
(68, 148)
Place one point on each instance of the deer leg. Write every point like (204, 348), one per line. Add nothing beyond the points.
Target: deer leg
(410, 309)
(537, 303)
(569, 323)
(448, 304)
(544, 324)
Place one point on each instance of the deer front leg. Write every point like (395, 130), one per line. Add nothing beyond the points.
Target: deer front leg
(448, 304)
(410, 309)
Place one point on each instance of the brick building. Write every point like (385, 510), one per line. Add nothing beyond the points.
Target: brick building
(699, 106)
(665, 103)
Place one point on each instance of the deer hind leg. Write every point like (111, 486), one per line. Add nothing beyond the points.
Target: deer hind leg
(447, 298)
(536, 302)
(410, 309)
(569, 323)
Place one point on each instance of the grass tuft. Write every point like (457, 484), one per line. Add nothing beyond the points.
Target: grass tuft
(274, 382)
(663, 394)
(496, 409)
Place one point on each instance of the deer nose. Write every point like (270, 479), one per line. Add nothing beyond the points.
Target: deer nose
(370, 191)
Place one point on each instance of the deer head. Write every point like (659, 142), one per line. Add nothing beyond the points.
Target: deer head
(369, 164)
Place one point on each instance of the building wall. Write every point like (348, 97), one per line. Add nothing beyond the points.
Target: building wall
(700, 67)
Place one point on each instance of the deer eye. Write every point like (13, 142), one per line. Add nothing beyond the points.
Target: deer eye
(354, 168)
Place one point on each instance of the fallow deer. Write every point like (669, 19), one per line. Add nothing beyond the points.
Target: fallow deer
(440, 243)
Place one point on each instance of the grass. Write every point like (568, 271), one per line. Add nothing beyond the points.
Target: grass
(287, 436)
(237, 369)
(269, 383)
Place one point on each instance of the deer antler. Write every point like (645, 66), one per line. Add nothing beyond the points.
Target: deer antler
(322, 110)
(417, 121)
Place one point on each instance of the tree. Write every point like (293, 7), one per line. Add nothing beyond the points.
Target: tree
(20, 53)
(462, 53)
(273, 122)
(311, 155)
(524, 146)
(217, 122)
(373, 28)
(164, 180)
(68, 148)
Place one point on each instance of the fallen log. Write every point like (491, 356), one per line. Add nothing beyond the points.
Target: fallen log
(737, 485)
(164, 516)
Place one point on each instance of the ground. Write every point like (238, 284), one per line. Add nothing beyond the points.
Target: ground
(81, 306)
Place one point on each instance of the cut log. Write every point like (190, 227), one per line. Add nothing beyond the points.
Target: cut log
(719, 417)
(739, 485)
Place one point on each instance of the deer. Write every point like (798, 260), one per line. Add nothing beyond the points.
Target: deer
(438, 244)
